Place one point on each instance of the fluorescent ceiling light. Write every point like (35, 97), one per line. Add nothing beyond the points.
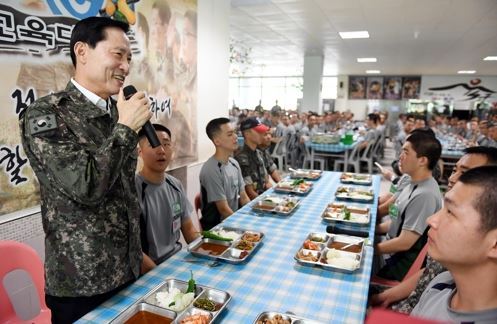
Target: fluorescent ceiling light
(466, 72)
(373, 71)
(354, 34)
(366, 59)
(490, 58)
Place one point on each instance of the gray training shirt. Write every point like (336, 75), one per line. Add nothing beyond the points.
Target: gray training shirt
(435, 304)
(164, 207)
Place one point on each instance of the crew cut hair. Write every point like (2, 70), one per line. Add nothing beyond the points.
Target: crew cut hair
(214, 127)
(91, 31)
(488, 151)
(485, 178)
(426, 146)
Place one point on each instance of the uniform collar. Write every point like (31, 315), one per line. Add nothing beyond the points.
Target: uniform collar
(88, 109)
(95, 99)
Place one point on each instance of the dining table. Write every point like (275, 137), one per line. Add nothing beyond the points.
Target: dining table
(330, 150)
(271, 279)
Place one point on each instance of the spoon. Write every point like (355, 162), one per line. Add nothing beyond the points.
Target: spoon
(348, 245)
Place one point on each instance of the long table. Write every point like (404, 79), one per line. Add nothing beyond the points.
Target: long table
(323, 149)
(271, 280)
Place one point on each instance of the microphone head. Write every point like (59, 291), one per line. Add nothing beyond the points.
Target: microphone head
(129, 91)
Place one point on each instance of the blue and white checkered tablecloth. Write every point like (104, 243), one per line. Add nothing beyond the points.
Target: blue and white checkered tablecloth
(331, 148)
(271, 280)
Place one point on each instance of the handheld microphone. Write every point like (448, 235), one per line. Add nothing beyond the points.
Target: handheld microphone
(147, 127)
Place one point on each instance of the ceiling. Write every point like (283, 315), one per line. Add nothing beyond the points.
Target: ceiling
(425, 37)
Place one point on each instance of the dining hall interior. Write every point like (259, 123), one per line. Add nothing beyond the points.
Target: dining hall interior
(353, 122)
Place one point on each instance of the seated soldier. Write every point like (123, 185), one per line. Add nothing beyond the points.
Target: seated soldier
(221, 182)
(406, 231)
(463, 238)
(412, 288)
(165, 207)
(271, 167)
(251, 159)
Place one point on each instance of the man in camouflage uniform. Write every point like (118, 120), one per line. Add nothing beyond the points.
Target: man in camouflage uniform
(82, 146)
(251, 159)
(271, 167)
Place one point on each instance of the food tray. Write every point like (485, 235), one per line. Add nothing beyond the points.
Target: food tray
(149, 303)
(356, 178)
(334, 212)
(286, 318)
(306, 174)
(290, 186)
(279, 205)
(355, 193)
(236, 251)
(317, 247)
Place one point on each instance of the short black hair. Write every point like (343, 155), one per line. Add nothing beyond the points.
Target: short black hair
(157, 127)
(488, 151)
(91, 31)
(374, 118)
(423, 130)
(484, 177)
(214, 126)
(426, 146)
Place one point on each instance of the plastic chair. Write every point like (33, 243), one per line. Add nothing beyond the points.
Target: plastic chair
(367, 156)
(307, 159)
(279, 153)
(19, 256)
(382, 316)
(352, 159)
(415, 267)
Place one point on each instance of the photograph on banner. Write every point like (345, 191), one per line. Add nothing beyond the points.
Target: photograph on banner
(392, 88)
(411, 86)
(357, 87)
(375, 88)
(34, 52)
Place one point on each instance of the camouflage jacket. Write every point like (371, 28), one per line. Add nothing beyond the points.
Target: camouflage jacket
(85, 163)
(253, 168)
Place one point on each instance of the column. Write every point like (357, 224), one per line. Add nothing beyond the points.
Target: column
(313, 73)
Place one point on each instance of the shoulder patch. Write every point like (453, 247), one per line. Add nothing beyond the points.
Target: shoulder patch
(42, 124)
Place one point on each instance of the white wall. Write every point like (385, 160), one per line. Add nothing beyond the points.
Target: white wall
(213, 68)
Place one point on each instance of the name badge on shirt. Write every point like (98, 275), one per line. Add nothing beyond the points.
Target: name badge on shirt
(393, 188)
(177, 217)
(393, 211)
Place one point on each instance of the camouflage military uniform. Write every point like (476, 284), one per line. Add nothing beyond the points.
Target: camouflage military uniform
(432, 269)
(252, 167)
(85, 163)
(268, 161)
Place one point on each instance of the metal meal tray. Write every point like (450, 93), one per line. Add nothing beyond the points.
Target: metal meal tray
(359, 215)
(275, 208)
(294, 189)
(356, 178)
(306, 174)
(231, 253)
(289, 318)
(351, 193)
(348, 260)
(149, 303)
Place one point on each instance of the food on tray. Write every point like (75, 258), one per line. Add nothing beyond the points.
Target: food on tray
(147, 317)
(298, 185)
(277, 319)
(277, 204)
(174, 300)
(207, 304)
(251, 237)
(211, 248)
(355, 177)
(215, 236)
(309, 245)
(356, 248)
(307, 256)
(233, 235)
(308, 174)
(346, 213)
(341, 260)
(354, 193)
(319, 239)
(244, 245)
(196, 319)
